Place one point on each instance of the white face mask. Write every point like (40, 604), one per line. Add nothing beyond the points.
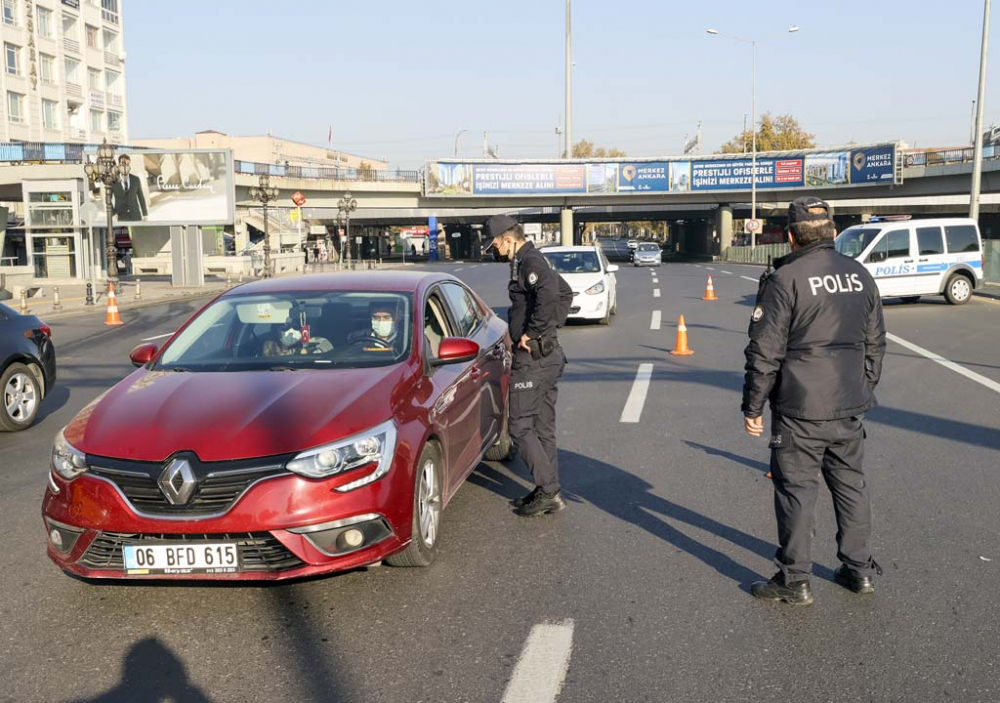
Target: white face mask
(383, 328)
(290, 338)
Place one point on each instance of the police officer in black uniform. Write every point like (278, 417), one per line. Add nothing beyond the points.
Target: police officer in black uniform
(817, 339)
(538, 295)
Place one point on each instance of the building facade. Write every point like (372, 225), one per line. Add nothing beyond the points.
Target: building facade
(63, 77)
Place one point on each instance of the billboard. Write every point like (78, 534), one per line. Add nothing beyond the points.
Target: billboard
(870, 165)
(163, 188)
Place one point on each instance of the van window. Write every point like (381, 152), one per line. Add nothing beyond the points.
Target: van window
(961, 238)
(929, 241)
(854, 240)
(894, 244)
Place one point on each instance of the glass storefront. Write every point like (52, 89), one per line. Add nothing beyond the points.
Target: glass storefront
(54, 256)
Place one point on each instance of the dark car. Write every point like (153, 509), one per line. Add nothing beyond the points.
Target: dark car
(27, 368)
(293, 427)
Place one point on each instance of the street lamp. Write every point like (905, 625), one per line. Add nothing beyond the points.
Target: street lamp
(460, 133)
(105, 171)
(753, 124)
(347, 205)
(264, 193)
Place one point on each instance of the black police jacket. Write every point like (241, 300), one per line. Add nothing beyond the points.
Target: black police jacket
(534, 290)
(817, 338)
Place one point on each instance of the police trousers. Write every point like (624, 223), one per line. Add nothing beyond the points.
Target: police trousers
(801, 452)
(534, 390)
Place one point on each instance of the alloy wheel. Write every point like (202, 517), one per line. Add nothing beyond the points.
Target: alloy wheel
(429, 503)
(19, 397)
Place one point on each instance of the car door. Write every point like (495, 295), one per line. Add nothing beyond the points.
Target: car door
(891, 263)
(932, 260)
(610, 279)
(456, 386)
(481, 425)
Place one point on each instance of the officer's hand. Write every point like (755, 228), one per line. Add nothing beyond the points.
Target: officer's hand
(754, 426)
(523, 344)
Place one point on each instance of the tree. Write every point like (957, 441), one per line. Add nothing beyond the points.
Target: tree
(780, 133)
(584, 149)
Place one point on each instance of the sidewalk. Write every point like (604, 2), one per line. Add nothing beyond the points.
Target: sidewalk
(153, 290)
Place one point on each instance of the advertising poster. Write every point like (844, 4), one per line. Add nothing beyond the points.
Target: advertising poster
(826, 169)
(736, 174)
(680, 176)
(450, 179)
(644, 177)
(163, 188)
(874, 165)
(527, 179)
(602, 178)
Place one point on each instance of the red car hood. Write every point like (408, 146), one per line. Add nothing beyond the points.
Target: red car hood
(153, 414)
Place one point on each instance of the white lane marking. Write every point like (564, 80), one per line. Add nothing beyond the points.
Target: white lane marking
(698, 265)
(541, 669)
(457, 270)
(728, 272)
(656, 292)
(755, 280)
(982, 380)
(637, 397)
(655, 322)
(656, 280)
(710, 268)
(159, 336)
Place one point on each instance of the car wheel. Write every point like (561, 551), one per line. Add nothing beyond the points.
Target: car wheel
(427, 505)
(606, 320)
(959, 290)
(500, 451)
(614, 307)
(910, 298)
(22, 397)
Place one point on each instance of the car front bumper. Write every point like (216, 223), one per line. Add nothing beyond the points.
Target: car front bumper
(647, 261)
(588, 307)
(284, 527)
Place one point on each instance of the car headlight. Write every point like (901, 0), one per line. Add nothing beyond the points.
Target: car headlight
(67, 461)
(595, 289)
(375, 446)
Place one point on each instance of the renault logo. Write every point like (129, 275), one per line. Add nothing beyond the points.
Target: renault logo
(178, 482)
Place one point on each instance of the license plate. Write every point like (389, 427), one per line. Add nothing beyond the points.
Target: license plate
(191, 558)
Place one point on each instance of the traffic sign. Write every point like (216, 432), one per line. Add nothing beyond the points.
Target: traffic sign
(295, 215)
(298, 198)
(753, 225)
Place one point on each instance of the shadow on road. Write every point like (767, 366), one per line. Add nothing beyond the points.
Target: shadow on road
(151, 673)
(712, 451)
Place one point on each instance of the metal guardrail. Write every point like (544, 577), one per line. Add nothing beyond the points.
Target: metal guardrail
(761, 254)
(32, 152)
(945, 157)
(326, 173)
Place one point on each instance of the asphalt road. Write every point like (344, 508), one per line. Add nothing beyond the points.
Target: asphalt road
(643, 579)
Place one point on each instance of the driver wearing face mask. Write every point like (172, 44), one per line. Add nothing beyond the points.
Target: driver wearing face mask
(383, 331)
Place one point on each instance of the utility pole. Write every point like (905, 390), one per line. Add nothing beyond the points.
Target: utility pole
(569, 84)
(977, 162)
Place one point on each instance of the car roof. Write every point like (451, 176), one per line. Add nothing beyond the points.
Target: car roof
(402, 281)
(546, 250)
(929, 222)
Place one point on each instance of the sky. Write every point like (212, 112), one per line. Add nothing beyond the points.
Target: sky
(399, 79)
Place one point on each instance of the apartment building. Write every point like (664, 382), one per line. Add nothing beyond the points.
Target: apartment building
(63, 77)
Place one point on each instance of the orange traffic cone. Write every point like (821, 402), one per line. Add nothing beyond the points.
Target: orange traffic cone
(113, 318)
(681, 346)
(710, 291)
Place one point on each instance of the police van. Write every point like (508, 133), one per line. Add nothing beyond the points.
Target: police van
(910, 258)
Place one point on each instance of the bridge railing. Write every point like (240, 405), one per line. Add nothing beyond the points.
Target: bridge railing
(761, 254)
(58, 153)
(945, 157)
(336, 173)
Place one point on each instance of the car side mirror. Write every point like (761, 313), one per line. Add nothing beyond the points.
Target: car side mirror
(877, 256)
(612, 268)
(141, 355)
(455, 350)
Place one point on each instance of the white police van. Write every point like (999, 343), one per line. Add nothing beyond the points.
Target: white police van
(910, 258)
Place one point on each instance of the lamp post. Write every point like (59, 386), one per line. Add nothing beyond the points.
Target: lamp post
(977, 157)
(105, 171)
(264, 193)
(347, 205)
(460, 133)
(569, 83)
(753, 123)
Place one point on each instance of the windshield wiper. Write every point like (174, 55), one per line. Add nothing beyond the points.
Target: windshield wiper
(282, 368)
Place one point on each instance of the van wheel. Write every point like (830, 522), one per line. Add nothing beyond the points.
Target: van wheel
(910, 298)
(427, 505)
(958, 290)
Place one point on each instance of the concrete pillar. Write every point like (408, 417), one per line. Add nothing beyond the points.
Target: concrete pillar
(724, 226)
(566, 226)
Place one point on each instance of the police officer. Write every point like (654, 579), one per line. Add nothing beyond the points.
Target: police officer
(817, 339)
(537, 296)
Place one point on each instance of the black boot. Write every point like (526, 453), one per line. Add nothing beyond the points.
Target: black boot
(542, 504)
(795, 593)
(524, 500)
(859, 584)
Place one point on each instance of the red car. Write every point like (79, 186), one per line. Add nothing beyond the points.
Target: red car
(292, 427)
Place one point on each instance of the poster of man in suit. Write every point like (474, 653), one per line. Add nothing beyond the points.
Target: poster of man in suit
(128, 198)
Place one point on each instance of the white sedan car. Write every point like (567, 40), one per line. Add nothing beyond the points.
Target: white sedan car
(592, 278)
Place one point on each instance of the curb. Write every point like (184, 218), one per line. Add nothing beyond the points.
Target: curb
(135, 305)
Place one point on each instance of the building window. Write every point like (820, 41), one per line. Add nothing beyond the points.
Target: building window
(48, 68)
(109, 11)
(96, 121)
(111, 81)
(94, 79)
(69, 26)
(92, 38)
(10, 12)
(114, 121)
(111, 41)
(44, 16)
(50, 114)
(72, 71)
(13, 54)
(15, 108)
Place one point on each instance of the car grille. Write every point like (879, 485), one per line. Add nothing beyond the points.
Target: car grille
(220, 484)
(259, 551)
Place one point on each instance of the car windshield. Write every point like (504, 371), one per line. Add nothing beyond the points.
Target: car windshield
(295, 330)
(574, 261)
(854, 240)
(648, 247)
